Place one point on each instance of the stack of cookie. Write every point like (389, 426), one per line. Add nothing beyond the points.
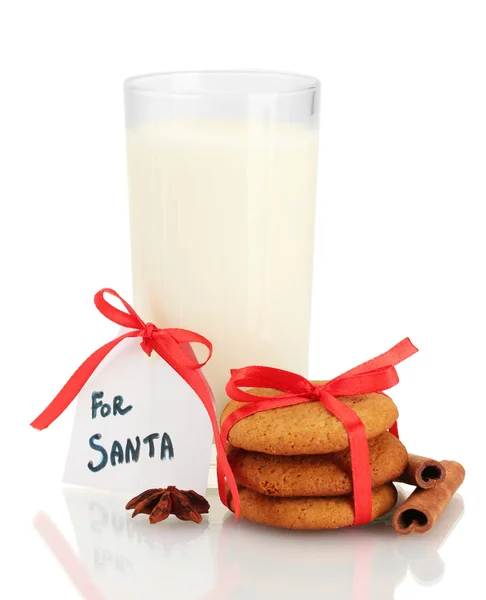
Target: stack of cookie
(293, 464)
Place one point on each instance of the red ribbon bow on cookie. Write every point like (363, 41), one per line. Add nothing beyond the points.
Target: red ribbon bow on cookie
(375, 375)
(173, 345)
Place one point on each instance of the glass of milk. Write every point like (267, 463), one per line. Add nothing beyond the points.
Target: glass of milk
(222, 185)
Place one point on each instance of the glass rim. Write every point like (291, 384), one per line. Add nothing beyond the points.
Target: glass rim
(136, 83)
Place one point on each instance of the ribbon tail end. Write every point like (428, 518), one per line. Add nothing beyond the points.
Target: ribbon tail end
(37, 424)
(236, 507)
(411, 348)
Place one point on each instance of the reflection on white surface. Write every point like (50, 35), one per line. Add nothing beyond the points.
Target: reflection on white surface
(120, 558)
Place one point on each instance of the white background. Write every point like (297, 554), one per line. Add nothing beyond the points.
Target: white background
(400, 246)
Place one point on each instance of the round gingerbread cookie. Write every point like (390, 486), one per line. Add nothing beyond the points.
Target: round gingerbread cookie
(310, 513)
(318, 474)
(307, 428)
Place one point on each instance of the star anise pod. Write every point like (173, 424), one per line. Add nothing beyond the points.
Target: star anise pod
(159, 503)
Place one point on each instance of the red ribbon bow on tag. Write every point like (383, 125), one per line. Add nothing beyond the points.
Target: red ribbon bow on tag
(375, 375)
(173, 345)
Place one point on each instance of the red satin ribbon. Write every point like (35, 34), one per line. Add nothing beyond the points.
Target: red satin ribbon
(173, 345)
(375, 375)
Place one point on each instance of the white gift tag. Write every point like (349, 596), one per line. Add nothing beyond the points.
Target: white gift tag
(139, 425)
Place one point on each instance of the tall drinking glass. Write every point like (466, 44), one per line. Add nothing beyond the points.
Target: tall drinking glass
(222, 184)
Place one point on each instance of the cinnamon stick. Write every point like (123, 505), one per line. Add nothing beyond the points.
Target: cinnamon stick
(424, 506)
(422, 472)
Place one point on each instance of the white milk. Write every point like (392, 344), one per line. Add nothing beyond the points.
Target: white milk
(222, 224)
